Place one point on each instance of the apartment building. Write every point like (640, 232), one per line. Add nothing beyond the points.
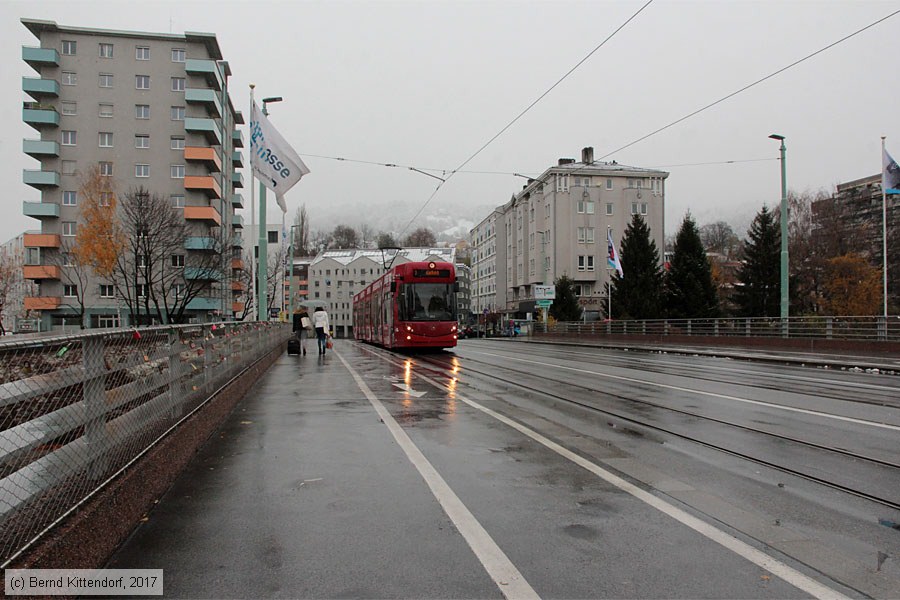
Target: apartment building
(151, 111)
(14, 288)
(557, 225)
(336, 275)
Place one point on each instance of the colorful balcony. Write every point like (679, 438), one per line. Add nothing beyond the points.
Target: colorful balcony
(238, 138)
(40, 210)
(40, 149)
(40, 179)
(238, 222)
(39, 88)
(41, 240)
(207, 127)
(203, 213)
(40, 57)
(37, 272)
(239, 117)
(237, 241)
(205, 68)
(237, 307)
(202, 274)
(204, 183)
(210, 98)
(42, 302)
(204, 304)
(39, 116)
(202, 244)
(237, 180)
(238, 286)
(237, 201)
(237, 263)
(208, 156)
(237, 160)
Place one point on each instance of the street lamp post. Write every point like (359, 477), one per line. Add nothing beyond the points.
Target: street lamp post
(784, 236)
(263, 260)
(291, 283)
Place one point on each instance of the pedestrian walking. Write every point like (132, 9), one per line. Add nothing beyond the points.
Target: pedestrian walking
(302, 328)
(320, 322)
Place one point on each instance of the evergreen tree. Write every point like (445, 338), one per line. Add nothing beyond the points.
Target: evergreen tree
(759, 292)
(690, 293)
(638, 293)
(565, 307)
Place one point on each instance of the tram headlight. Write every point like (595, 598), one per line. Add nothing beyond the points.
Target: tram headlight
(408, 338)
(409, 328)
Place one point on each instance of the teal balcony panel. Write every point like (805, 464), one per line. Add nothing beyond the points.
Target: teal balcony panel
(237, 241)
(40, 57)
(207, 127)
(237, 201)
(239, 117)
(238, 138)
(202, 274)
(200, 303)
(40, 179)
(238, 222)
(208, 97)
(237, 179)
(205, 244)
(39, 118)
(40, 149)
(237, 160)
(207, 68)
(40, 210)
(39, 88)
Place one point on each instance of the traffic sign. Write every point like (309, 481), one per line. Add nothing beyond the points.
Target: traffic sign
(544, 303)
(545, 292)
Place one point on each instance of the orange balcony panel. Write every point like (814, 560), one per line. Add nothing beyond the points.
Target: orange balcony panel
(237, 307)
(237, 263)
(42, 240)
(202, 213)
(41, 271)
(205, 183)
(207, 155)
(238, 286)
(42, 303)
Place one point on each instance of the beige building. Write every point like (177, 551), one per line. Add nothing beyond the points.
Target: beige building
(557, 225)
(149, 110)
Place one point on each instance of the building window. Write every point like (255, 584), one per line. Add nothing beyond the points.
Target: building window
(177, 201)
(68, 138)
(106, 50)
(106, 80)
(70, 198)
(178, 290)
(106, 169)
(178, 84)
(590, 263)
(609, 208)
(142, 53)
(581, 235)
(69, 108)
(141, 111)
(106, 111)
(69, 78)
(70, 291)
(178, 261)
(69, 47)
(107, 291)
(68, 228)
(634, 208)
(643, 208)
(142, 170)
(273, 237)
(609, 184)
(178, 55)
(68, 167)
(142, 82)
(178, 113)
(177, 171)
(106, 139)
(141, 289)
(177, 142)
(106, 198)
(562, 183)
(141, 141)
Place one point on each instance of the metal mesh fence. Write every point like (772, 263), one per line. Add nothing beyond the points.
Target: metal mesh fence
(76, 409)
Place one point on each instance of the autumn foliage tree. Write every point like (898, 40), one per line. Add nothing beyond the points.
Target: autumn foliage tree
(100, 240)
(852, 286)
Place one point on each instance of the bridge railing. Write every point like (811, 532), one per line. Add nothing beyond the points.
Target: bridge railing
(77, 409)
(825, 327)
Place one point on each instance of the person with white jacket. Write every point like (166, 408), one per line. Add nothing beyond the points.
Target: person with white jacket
(320, 322)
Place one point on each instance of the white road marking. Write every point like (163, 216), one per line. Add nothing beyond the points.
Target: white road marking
(757, 557)
(406, 388)
(702, 393)
(498, 566)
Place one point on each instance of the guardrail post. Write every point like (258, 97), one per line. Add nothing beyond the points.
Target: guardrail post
(94, 396)
(747, 327)
(689, 326)
(829, 327)
(175, 374)
(882, 328)
(207, 361)
(784, 327)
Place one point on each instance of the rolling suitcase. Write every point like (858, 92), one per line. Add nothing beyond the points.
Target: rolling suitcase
(293, 345)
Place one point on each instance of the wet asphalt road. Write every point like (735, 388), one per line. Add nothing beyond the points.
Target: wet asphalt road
(305, 492)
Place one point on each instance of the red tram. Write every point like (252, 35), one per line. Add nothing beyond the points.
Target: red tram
(413, 305)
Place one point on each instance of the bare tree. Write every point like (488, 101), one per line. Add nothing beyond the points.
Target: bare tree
(302, 241)
(320, 240)
(275, 279)
(366, 233)
(420, 238)
(719, 237)
(344, 237)
(386, 240)
(74, 273)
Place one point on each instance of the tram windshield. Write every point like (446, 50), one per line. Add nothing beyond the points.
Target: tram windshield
(427, 302)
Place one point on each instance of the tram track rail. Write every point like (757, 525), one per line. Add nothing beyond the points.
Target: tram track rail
(541, 388)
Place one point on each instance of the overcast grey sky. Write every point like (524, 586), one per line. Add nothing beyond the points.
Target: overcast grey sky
(427, 83)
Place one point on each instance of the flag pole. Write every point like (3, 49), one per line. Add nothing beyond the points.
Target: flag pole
(884, 271)
(253, 287)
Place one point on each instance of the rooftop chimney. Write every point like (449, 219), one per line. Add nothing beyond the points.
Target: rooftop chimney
(587, 155)
(566, 161)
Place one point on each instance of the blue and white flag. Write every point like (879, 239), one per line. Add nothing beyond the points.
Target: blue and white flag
(272, 159)
(612, 259)
(890, 174)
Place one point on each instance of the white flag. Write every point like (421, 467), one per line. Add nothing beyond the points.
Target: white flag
(890, 174)
(272, 159)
